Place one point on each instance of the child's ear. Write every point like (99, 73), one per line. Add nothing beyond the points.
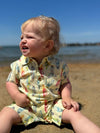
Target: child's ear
(49, 45)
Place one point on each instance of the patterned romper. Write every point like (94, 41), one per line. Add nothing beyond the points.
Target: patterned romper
(41, 85)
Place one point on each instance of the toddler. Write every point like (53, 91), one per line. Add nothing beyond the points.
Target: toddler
(39, 84)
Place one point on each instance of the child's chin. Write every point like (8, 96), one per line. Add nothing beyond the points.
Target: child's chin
(25, 54)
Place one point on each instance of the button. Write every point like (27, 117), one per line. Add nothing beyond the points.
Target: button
(39, 78)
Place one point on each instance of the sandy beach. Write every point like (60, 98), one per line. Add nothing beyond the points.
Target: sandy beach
(85, 79)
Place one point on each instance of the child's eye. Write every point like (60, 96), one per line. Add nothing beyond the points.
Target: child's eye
(21, 37)
(30, 37)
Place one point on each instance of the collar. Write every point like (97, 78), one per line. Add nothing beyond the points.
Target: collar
(26, 60)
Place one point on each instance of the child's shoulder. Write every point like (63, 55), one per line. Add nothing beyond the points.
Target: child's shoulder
(19, 61)
(57, 61)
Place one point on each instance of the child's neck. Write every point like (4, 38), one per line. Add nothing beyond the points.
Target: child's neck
(39, 60)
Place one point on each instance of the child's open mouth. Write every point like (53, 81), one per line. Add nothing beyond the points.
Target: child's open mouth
(24, 47)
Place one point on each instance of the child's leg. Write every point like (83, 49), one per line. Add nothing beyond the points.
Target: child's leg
(79, 122)
(8, 117)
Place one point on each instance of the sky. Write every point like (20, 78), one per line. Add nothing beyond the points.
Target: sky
(79, 19)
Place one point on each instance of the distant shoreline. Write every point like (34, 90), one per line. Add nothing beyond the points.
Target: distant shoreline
(81, 44)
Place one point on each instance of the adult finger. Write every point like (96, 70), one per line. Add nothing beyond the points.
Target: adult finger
(75, 106)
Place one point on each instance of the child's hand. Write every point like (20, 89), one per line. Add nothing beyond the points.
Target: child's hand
(68, 103)
(22, 100)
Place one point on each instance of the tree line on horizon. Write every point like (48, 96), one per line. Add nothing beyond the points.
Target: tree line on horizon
(81, 44)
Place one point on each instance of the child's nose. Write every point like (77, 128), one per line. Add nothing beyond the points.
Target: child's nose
(23, 41)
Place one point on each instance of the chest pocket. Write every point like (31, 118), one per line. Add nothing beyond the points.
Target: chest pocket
(53, 83)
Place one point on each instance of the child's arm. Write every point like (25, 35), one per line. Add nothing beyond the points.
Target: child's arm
(67, 101)
(19, 98)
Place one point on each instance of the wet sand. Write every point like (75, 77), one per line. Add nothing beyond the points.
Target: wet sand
(85, 79)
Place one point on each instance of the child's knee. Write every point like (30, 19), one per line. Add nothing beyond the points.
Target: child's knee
(7, 111)
(10, 114)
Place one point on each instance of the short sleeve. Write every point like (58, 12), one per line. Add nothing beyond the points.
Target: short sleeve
(64, 73)
(14, 74)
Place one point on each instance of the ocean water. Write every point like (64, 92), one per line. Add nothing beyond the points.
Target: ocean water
(8, 54)
(70, 54)
(84, 54)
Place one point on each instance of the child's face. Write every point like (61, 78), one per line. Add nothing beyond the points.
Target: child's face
(31, 44)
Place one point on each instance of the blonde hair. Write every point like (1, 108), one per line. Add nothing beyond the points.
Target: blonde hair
(47, 27)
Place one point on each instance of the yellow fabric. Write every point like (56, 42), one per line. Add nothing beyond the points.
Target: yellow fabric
(41, 84)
